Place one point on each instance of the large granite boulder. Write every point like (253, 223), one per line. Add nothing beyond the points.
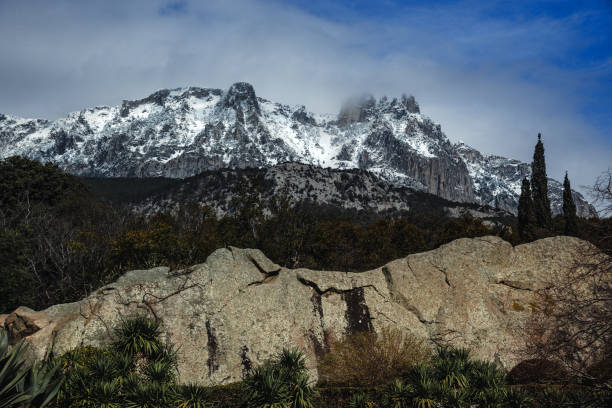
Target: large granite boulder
(239, 308)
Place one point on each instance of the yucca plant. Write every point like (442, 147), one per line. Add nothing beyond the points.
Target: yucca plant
(130, 382)
(139, 336)
(302, 393)
(149, 395)
(483, 374)
(89, 374)
(292, 361)
(104, 367)
(124, 365)
(280, 382)
(456, 398)
(517, 398)
(20, 385)
(398, 395)
(166, 352)
(360, 401)
(12, 371)
(265, 388)
(159, 371)
(79, 357)
(42, 383)
(99, 394)
(459, 357)
(451, 366)
(138, 369)
(489, 397)
(191, 396)
(428, 392)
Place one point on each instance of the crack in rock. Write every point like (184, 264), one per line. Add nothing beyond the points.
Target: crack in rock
(443, 272)
(513, 285)
(332, 289)
(400, 299)
(268, 275)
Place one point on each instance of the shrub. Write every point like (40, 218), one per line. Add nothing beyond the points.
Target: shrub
(159, 371)
(398, 395)
(301, 392)
(266, 388)
(149, 395)
(137, 370)
(428, 390)
(360, 401)
(280, 382)
(21, 385)
(517, 398)
(192, 396)
(452, 378)
(369, 359)
(138, 336)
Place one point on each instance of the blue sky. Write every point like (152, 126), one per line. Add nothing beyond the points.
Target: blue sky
(582, 46)
(492, 73)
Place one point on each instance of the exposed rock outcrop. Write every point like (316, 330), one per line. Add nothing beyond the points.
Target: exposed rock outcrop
(238, 308)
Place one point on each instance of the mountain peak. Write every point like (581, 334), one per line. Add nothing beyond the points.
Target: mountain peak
(157, 98)
(241, 95)
(356, 109)
(363, 107)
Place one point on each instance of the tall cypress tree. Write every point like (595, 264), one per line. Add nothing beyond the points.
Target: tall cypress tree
(526, 214)
(539, 185)
(569, 209)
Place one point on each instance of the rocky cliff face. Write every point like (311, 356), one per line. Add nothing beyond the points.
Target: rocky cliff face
(352, 189)
(238, 308)
(182, 132)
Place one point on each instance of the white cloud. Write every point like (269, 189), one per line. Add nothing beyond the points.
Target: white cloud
(486, 80)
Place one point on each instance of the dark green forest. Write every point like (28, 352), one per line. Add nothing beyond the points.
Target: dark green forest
(61, 238)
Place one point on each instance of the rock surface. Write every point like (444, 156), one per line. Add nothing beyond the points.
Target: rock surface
(238, 308)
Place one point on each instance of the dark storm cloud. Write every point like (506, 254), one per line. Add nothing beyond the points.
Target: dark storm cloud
(489, 81)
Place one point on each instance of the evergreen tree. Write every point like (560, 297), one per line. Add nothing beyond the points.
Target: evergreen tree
(539, 185)
(526, 214)
(569, 209)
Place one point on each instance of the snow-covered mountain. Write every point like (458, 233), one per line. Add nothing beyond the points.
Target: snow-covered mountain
(182, 132)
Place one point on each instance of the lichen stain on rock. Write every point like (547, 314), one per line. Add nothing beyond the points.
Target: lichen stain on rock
(357, 312)
(245, 361)
(212, 345)
(317, 306)
(320, 347)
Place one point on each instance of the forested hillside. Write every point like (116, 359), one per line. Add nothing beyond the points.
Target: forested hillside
(60, 239)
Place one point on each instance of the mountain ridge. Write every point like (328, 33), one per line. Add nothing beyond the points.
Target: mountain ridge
(181, 132)
(302, 184)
